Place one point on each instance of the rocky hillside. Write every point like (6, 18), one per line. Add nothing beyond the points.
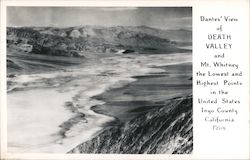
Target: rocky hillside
(164, 130)
(74, 41)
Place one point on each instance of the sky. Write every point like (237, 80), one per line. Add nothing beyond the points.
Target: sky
(158, 17)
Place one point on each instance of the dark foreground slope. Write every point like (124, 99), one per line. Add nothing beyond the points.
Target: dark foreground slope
(161, 130)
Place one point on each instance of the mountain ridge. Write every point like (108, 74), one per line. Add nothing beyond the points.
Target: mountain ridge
(71, 41)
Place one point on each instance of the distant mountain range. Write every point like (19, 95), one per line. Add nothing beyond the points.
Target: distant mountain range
(74, 41)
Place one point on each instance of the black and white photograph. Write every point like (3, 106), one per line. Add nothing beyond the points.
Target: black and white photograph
(99, 80)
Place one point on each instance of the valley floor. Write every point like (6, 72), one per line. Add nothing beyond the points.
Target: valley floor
(55, 111)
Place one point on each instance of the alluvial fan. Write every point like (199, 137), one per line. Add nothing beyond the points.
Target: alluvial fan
(164, 130)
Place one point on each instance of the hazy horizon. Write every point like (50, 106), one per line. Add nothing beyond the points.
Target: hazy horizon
(62, 17)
